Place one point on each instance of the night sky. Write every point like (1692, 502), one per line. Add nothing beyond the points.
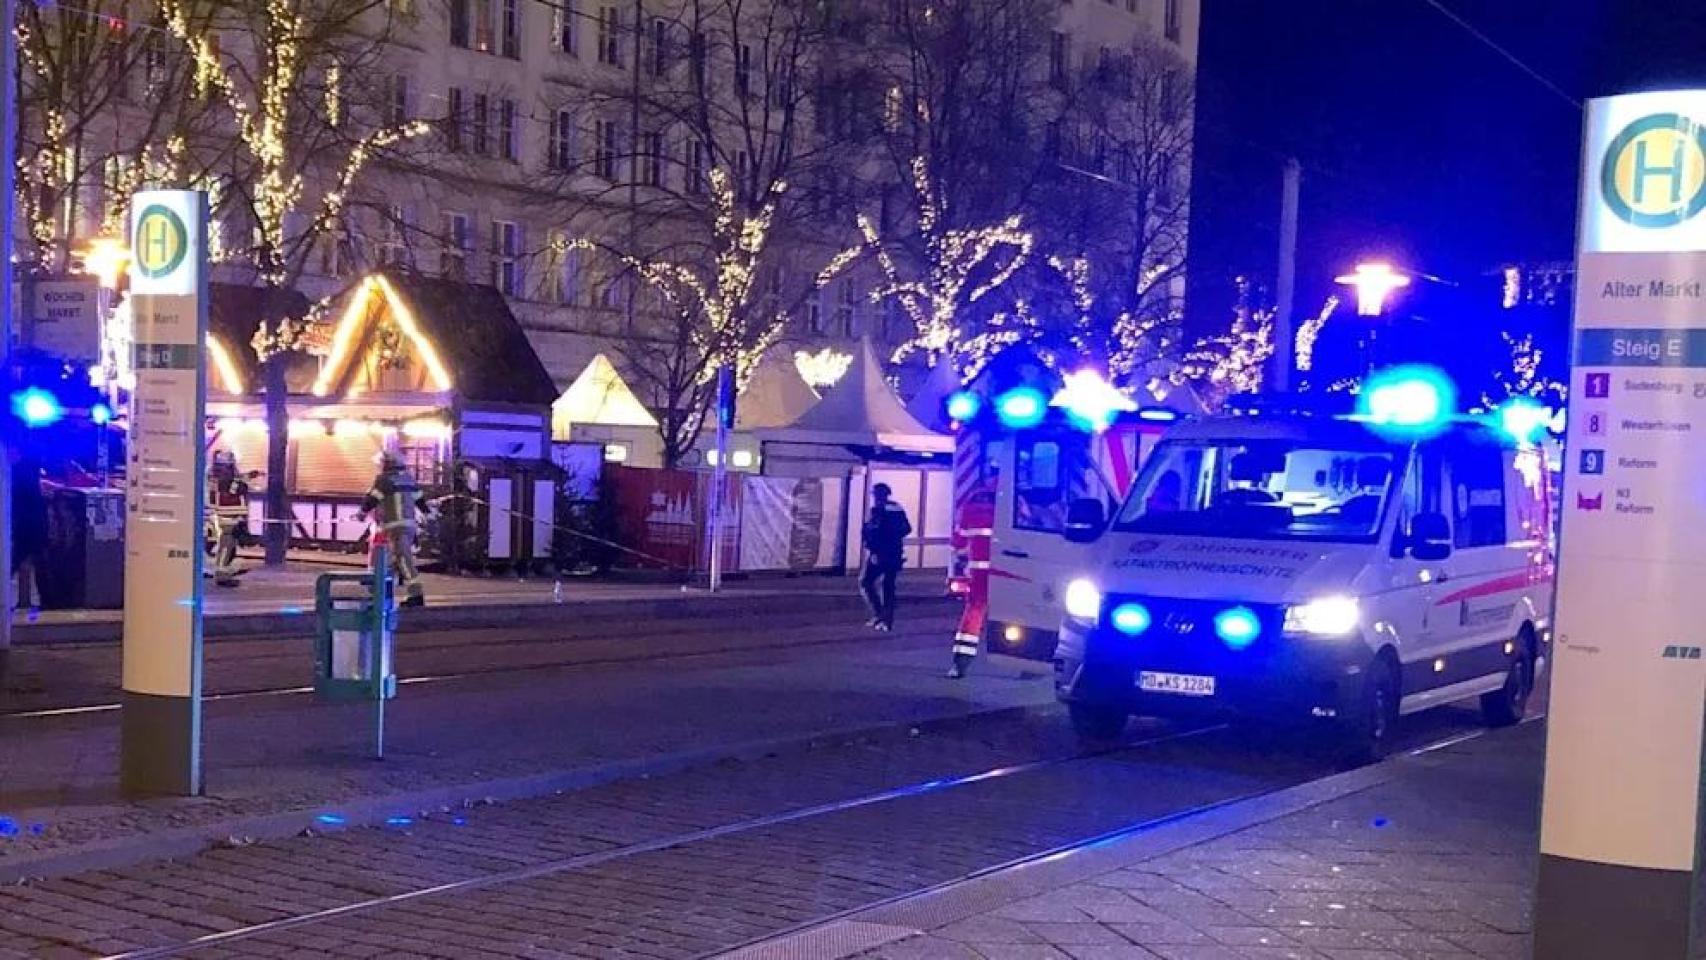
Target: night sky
(1418, 141)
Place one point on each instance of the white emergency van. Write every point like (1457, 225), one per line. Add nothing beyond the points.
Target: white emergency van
(1306, 568)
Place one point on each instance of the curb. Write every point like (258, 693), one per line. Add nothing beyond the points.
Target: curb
(296, 622)
(916, 914)
(372, 811)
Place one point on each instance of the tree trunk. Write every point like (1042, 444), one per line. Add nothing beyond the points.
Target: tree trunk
(277, 534)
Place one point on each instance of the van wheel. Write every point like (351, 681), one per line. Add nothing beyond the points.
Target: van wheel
(1506, 706)
(1367, 737)
(1097, 724)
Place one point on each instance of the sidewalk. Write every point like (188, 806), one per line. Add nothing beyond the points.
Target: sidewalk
(1426, 857)
(281, 601)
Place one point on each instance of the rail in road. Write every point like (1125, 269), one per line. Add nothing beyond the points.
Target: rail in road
(78, 679)
(691, 864)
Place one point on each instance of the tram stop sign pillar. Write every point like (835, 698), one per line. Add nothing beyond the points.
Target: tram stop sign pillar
(1620, 822)
(160, 728)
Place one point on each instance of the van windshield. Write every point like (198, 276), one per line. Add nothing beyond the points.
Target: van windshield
(1263, 489)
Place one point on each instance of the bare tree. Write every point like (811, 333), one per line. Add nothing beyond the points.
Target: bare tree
(105, 108)
(289, 75)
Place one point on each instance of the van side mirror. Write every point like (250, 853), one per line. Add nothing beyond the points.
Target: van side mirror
(1429, 539)
(1085, 519)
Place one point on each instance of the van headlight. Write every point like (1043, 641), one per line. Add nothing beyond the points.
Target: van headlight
(1083, 600)
(1324, 617)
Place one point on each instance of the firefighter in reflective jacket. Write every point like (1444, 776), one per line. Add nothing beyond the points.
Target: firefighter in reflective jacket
(227, 514)
(974, 537)
(392, 503)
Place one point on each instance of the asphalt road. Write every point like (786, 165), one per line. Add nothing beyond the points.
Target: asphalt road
(678, 865)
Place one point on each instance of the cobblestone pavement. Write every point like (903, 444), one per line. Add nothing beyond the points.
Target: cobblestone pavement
(1435, 863)
(563, 877)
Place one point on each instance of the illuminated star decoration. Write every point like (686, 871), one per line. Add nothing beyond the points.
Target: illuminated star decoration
(824, 368)
(1374, 282)
(1092, 400)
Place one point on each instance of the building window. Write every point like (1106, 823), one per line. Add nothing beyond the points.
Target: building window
(507, 147)
(561, 283)
(651, 160)
(607, 138)
(402, 8)
(565, 27)
(743, 170)
(1130, 6)
(506, 251)
(847, 311)
(814, 310)
(659, 42)
(743, 69)
(560, 155)
(338, 250)
(512, 29)
(610, 36)
(482, 25)
(1175, 21)
(1057, 59)
(397, 110)
(459, 23)
(458, 244)
(482, 124)
(697, 55)
(154, 59)
(693, 164)
(394, 239)
(453, 124)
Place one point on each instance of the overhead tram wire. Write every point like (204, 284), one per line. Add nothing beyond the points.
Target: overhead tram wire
(1493, 45)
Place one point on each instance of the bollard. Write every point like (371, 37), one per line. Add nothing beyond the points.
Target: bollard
(356, 618)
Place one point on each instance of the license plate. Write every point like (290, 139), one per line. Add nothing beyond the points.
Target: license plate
(1184, 684)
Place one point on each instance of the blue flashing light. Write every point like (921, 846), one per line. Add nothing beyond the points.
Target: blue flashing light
(1237, 627)
(36, 407)
(1409, 401)
(1525, 420)
(1131, 619)
(964, 405)
(1021, 407)
(8, 827)
(1157, 415)
(398, 821)
(101, 414)
(330, 820)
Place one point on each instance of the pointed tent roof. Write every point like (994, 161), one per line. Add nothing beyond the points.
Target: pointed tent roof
(930, 404)
(862, 410)
(599, 396)
(776, 394)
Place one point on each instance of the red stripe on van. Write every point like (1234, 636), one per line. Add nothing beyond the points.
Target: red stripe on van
(1504, 584)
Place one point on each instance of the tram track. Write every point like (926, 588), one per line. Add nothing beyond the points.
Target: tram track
(853, 852)
(788, 635)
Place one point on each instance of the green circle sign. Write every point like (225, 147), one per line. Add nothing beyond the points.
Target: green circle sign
(1654, 171)
(161, 242)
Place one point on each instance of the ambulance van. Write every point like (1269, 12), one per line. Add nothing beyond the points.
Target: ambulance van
(1301, 568)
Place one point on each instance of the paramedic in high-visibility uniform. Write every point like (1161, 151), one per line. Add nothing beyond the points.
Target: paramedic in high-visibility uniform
(393, 503)
(227, 514)
(974, 537)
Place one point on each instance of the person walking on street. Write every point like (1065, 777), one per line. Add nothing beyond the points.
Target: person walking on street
(974, 539)
(29, 531)
(393, 502)
(885, 532)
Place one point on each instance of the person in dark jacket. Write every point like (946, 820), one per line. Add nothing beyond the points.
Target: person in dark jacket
(885, 532)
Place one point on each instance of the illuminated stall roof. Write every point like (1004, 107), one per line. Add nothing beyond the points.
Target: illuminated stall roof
(233, 315)
(455, 338)
(776, 395)
(863, 410)
(598, 397)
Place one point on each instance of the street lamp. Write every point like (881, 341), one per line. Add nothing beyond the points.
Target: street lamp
(106, 259)
(1373, 283)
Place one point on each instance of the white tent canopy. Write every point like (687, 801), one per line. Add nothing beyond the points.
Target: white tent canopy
(598, 397)
(776, 395)
(862, 410)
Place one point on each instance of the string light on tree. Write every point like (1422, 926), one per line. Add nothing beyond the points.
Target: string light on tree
(1309, 332)
(933, 298)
